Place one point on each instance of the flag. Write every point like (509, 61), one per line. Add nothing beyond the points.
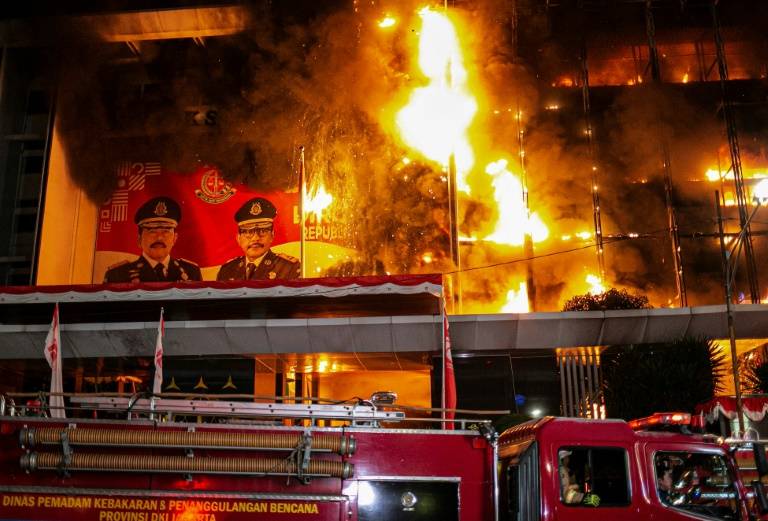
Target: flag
(52, 353)
(449, 378)
(157, 386)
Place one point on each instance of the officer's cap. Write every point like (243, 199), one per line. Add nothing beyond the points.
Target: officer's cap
(159, 210)
(257, 212)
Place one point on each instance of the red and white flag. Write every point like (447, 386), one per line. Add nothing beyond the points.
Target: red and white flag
(449, 379)
(157, 386)
(53, 355)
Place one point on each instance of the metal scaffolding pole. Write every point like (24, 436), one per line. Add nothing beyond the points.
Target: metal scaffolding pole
(733, 145)
(672, 227)
(596, 218)
(527, 238)
(453, 212)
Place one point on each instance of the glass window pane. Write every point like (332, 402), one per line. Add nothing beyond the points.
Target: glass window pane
(696, 482)
(593, 476)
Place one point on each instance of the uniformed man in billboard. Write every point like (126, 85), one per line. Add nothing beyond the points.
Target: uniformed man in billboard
(255, 234)
(157, 220)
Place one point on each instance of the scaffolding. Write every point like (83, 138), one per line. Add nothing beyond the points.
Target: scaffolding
(672, 227)
(706, 58)
(731, 130)
(596, 217)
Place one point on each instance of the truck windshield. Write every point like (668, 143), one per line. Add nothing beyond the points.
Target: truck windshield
(696, 482)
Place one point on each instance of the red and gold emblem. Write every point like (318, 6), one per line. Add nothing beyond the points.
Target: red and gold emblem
(213, 188)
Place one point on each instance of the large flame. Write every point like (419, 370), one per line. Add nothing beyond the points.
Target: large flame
(435, 122)
(514, 220)
(437, 116)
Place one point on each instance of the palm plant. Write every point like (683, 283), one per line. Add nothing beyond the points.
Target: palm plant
(755, 378)
(646, 378)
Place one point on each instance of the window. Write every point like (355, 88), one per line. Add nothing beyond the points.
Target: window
(520, 497)
(593, 476)
(696, 482)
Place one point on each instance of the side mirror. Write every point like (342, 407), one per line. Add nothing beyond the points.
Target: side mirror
(761, 461)
(761, 500)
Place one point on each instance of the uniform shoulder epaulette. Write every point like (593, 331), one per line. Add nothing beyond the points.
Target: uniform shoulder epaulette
(118, 264)
(188, 261)
(287, 257)
(233, 259)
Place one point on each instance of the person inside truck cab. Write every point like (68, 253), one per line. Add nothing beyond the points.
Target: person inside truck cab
(664, 481)
(570, 488)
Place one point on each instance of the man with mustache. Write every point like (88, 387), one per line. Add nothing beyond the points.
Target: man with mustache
(254, 235)
(157, 220)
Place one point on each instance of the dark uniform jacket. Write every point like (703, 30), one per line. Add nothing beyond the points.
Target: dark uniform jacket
(179, 270)
(273, 266)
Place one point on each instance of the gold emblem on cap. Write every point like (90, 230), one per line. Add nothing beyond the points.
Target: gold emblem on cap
(256, 209)
(161, 209)
(272, 275)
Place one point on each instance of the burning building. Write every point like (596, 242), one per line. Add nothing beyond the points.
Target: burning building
(529, 150)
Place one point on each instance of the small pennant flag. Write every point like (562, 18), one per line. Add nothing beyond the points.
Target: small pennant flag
(53, 355)
(157, 387)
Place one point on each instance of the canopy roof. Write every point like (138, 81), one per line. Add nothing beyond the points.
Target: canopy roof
(341, 315)
(322, 287)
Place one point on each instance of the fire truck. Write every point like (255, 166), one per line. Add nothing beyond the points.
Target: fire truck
(159, 459)
(169, 459)
(648, 469)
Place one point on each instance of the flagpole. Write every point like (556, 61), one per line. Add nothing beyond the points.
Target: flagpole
(442, 335)
(301, 211)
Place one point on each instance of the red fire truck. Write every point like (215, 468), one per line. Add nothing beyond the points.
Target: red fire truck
(153, 459)
(648, 469)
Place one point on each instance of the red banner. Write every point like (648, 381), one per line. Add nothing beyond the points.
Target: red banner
(207, 231)
(43, 507)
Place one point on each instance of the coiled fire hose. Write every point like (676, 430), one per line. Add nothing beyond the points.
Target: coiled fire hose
(183, 464)
(32, 436)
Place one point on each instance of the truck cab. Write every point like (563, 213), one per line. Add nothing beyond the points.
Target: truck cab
(649, 469)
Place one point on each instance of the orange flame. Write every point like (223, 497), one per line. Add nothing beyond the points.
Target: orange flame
(517, 301)
(387, 22)
(760, 191)
(318, 201)
(514, 223)
(596, 286)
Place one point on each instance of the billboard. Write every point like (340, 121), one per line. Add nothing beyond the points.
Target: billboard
(207, 235)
